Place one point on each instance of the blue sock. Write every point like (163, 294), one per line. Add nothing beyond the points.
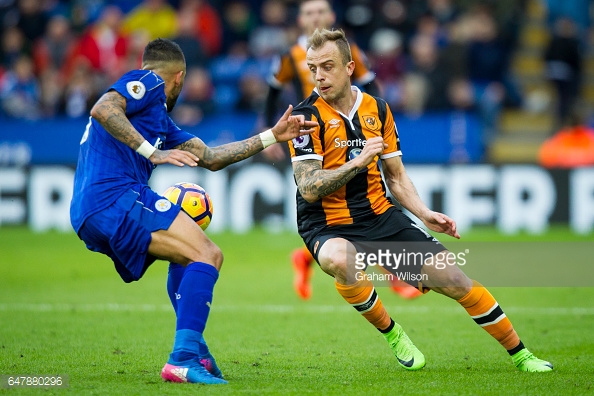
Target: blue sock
(193, 306)
(195, 296)
(186, 346)
(176, 273)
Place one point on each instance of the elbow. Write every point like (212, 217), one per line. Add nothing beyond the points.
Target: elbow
(213, 166)
(309, 198)
(217, 167)
(95, 113)
(307, 191)
(391, 182)
(394, 181)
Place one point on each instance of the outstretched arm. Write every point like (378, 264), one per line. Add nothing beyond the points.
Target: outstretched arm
(215, 158)
(315, 183)
(406, 194)
(110, 112)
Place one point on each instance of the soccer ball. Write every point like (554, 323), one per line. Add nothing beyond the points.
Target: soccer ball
(194, 200)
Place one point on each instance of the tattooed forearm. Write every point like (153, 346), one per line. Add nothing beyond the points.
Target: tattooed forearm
(315, 183)
(191, 145)
(221, 156)
(215, 158)
(110, 112)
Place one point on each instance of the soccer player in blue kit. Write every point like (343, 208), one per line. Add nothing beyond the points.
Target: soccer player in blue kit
(114, 211)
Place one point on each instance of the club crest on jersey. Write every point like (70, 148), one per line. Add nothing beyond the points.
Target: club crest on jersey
(301, 141)
(371, 122)
(163, 205)
(136, 89)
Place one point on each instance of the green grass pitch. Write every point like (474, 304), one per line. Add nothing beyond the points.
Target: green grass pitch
(64, 310)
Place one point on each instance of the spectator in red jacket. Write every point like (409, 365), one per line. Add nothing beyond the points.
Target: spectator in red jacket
(102, 46)
(207, 22)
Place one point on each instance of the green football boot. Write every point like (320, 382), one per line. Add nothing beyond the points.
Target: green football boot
(407, 354)
(526, 361)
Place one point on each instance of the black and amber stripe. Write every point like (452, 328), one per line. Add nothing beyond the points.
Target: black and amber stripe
(368, 304)
(335, 142)
(491, 317)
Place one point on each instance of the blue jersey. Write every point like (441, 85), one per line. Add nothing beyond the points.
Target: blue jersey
(107, 167)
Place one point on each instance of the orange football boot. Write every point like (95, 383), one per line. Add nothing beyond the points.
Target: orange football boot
(302, 265)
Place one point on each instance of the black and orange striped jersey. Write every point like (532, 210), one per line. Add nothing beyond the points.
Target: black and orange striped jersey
(338, 139)
(292, 67)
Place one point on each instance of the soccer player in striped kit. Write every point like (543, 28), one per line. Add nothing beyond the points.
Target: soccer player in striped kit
(341, 202)
(291, 68)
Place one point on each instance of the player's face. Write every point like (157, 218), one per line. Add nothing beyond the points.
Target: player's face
(332, 77)
(315, 14)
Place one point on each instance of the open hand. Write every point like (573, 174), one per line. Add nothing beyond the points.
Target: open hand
(441, 223)
(175, 157)
(290, 127)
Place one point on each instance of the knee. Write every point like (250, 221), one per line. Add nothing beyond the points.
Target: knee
(455, 287)
(334, 264)
(208, 253)
(458, 280)
(447, 279)
(215, 256)
(454, 293)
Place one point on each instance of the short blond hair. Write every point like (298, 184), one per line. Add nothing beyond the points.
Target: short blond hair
(322, 36)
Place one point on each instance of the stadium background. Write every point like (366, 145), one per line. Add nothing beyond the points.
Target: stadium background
(475, 86)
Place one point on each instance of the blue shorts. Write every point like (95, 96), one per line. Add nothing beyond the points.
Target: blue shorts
(123, 230)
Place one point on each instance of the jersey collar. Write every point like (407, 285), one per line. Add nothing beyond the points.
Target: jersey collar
(357, 102)
(355, 106)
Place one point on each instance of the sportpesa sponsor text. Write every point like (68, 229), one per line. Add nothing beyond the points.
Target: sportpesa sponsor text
(339, 143)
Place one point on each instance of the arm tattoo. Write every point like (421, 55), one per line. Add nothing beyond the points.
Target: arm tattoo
(110, 111)
(215, 158)
(315, 183)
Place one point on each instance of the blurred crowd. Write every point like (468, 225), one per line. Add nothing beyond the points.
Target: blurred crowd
(58, 56)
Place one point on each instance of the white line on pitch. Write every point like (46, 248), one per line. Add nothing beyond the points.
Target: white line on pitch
(276, 308)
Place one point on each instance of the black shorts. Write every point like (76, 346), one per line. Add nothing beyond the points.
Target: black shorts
(391, 231)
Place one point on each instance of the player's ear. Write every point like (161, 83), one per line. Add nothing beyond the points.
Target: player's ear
(350, 67)
(179, 77)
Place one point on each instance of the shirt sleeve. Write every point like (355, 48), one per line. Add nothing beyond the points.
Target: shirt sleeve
(175, 135)
(391, 136)
(140, 88)
(307, 147)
